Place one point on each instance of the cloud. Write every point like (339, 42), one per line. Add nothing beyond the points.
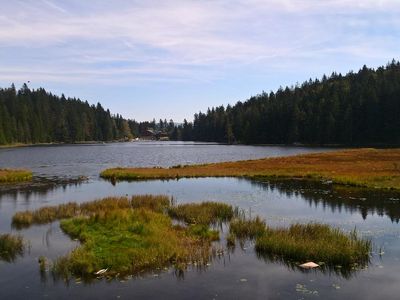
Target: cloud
(100, 41)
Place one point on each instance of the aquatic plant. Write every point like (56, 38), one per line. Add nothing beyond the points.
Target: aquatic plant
(48, 214)
(11, 246)
(243, 228)
(122, 235)
(202, 213)
(130, 241)
(314, 242)
(10, 175)
(372, 168)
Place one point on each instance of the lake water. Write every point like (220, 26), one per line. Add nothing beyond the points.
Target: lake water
(239, 275)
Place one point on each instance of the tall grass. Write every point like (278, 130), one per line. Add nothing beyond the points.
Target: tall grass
(11, 246)
(314, 242)
(202, 213)
(132, 235)
(243, 228)
(9, 175)
(48, 214)
(128, 242)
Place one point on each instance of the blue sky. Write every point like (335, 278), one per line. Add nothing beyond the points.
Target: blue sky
(171, 59)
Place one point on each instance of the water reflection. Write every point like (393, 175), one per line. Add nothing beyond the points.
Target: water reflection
(339, 198)
(39, 186)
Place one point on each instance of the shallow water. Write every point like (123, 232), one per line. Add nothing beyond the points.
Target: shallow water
(233, 276)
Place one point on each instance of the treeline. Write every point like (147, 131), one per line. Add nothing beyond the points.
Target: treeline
(36, 116)
(358, 108)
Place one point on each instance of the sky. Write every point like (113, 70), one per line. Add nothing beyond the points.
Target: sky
(170, 59)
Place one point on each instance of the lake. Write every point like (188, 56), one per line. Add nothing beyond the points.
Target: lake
(236, 275)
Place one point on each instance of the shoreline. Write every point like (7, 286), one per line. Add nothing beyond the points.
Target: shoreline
(370, 168)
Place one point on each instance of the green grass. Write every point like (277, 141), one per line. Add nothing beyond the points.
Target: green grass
(10, 176)
(202, 213)
(11, 246)
(127, 235)
(243, 228)
(314, 242)
(129, 242)
(48, 214)
(138, 234)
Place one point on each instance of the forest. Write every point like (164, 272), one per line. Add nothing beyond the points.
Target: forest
(37, 116)
(361, 108)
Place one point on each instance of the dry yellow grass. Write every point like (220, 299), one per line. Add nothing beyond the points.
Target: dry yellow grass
(373, 168)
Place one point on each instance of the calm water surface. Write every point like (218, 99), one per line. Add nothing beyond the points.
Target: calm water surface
(239, 275)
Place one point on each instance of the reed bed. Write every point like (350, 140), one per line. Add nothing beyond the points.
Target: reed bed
(48, 214)
(242, 228)
(10, 175)
(133, 235)
(11, 246)
(126, 235)
(372, 168)
(128, 242)
(314, 242)
(202, 213)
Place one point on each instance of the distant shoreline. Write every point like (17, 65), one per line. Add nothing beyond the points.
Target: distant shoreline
(382, 146)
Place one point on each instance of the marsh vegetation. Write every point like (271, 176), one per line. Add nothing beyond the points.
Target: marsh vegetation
(11, 246)
(372, 168)
(123, 236)
(11, 175)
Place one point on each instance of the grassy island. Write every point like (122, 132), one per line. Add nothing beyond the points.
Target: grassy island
(143, 233)
(10, 175)
(372, 168)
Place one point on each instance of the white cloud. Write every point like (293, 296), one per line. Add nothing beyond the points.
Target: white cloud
(185, 40)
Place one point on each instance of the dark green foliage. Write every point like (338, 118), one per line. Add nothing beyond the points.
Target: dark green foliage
(359, 108)
(36, 116)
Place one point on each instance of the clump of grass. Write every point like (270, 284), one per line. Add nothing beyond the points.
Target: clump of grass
(242, 228)
(42, 264)
(203, 232)
(130, 241)
(202, 213)
(48, 214)
(10, 175)
(314, 242)
(156, 203)
(11, 246)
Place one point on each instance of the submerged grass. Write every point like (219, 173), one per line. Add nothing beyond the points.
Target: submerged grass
(10, 175)
(11, 246)
(372, 168)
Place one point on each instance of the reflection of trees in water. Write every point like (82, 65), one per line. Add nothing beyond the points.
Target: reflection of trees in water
(338, 198)
(39, 186)
(345, 272)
